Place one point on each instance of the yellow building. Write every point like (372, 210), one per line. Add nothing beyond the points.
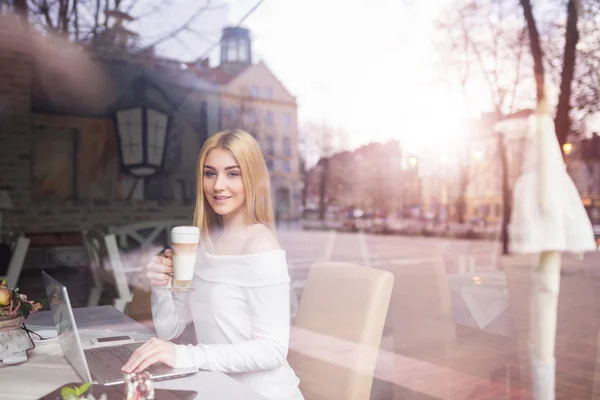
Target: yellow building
(484, 188)
(471, 169)
(253, 99)
(484, 193)
(373, 177)
(438, 181)
(583, 165)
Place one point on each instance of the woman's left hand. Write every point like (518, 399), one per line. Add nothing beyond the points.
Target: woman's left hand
(151, 352)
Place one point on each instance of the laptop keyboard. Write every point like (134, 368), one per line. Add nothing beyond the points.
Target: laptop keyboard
(109, 360)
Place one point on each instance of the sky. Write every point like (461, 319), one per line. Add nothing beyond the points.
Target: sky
(362, 66)
(365, 67)
(368, 68)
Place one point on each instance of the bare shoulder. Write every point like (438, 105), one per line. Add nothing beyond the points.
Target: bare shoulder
(262, 239)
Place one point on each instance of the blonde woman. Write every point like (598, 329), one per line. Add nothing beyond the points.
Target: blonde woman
(240, 305)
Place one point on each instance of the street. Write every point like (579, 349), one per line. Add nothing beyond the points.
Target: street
(457, 316)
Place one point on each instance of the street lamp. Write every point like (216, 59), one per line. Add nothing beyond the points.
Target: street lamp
(141, 124)
(567, 148)
(413, 161)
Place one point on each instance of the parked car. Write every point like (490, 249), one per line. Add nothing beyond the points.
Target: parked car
(348, 219)
(395, 224)
(377, 222)
(311, 220)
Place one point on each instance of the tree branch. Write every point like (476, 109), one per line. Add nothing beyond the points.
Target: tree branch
(44, 10)
(185, 25)
(21, 8)
(479, 56)
(96, 14)
(131, 6)
(155, 9)
(537, 53)
(518, 71)
(496, 93)
(63, 16)
(562, 120)
(106, 8)
(201, 35)
(75, 12)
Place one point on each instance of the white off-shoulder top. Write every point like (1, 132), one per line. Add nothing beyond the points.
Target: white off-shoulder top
(240, 310)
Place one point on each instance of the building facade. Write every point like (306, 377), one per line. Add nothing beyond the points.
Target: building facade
(482, 172)
(468, 173)
(253, 99)
(583, 165)
(438, 176)
(374, 177)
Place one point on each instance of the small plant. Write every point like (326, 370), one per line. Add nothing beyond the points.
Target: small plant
(78, 393)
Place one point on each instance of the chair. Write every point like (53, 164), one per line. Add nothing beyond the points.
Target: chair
(16, 262)
(102, 248)
(338, 329)
(296, 288)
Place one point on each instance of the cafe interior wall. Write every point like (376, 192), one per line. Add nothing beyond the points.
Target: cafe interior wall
(59, 156)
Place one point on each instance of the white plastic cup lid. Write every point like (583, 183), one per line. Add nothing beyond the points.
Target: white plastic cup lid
(185, 234)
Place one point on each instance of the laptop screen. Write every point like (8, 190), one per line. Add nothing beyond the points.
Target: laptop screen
(64, 322)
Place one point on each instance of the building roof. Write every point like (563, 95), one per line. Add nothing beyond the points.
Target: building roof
(220, 75)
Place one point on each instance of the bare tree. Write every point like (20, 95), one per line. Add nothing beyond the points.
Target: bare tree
(464, 178)
(484, 42)
(21, 8)
(571, 59)
(86, 20)
(304, 177)
(562, 120)
(585, 95)
(318, 144)
(546, 279)
(243, 113)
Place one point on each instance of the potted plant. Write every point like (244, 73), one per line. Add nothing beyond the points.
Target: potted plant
(15, 307)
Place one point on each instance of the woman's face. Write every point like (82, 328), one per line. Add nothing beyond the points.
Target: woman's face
(222, 183)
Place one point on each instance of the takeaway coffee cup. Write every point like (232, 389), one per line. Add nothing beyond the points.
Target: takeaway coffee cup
(184, 240)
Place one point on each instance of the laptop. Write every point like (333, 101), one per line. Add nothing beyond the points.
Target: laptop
(99, 365)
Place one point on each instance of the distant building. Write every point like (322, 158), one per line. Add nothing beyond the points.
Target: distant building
(583, 165)
(375, 176)
(470, 168)
(438, 177)
(484, 172)
(253, 99)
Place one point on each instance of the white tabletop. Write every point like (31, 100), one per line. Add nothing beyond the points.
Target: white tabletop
(47, 369)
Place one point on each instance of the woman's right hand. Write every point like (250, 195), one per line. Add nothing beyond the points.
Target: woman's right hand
(160, 269)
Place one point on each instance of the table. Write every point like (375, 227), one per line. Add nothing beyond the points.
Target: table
(47, 368)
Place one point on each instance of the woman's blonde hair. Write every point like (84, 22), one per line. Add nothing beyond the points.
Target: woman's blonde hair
(255, 176)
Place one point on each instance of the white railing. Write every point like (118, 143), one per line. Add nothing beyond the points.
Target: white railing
(144, 234)
(116, 258)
